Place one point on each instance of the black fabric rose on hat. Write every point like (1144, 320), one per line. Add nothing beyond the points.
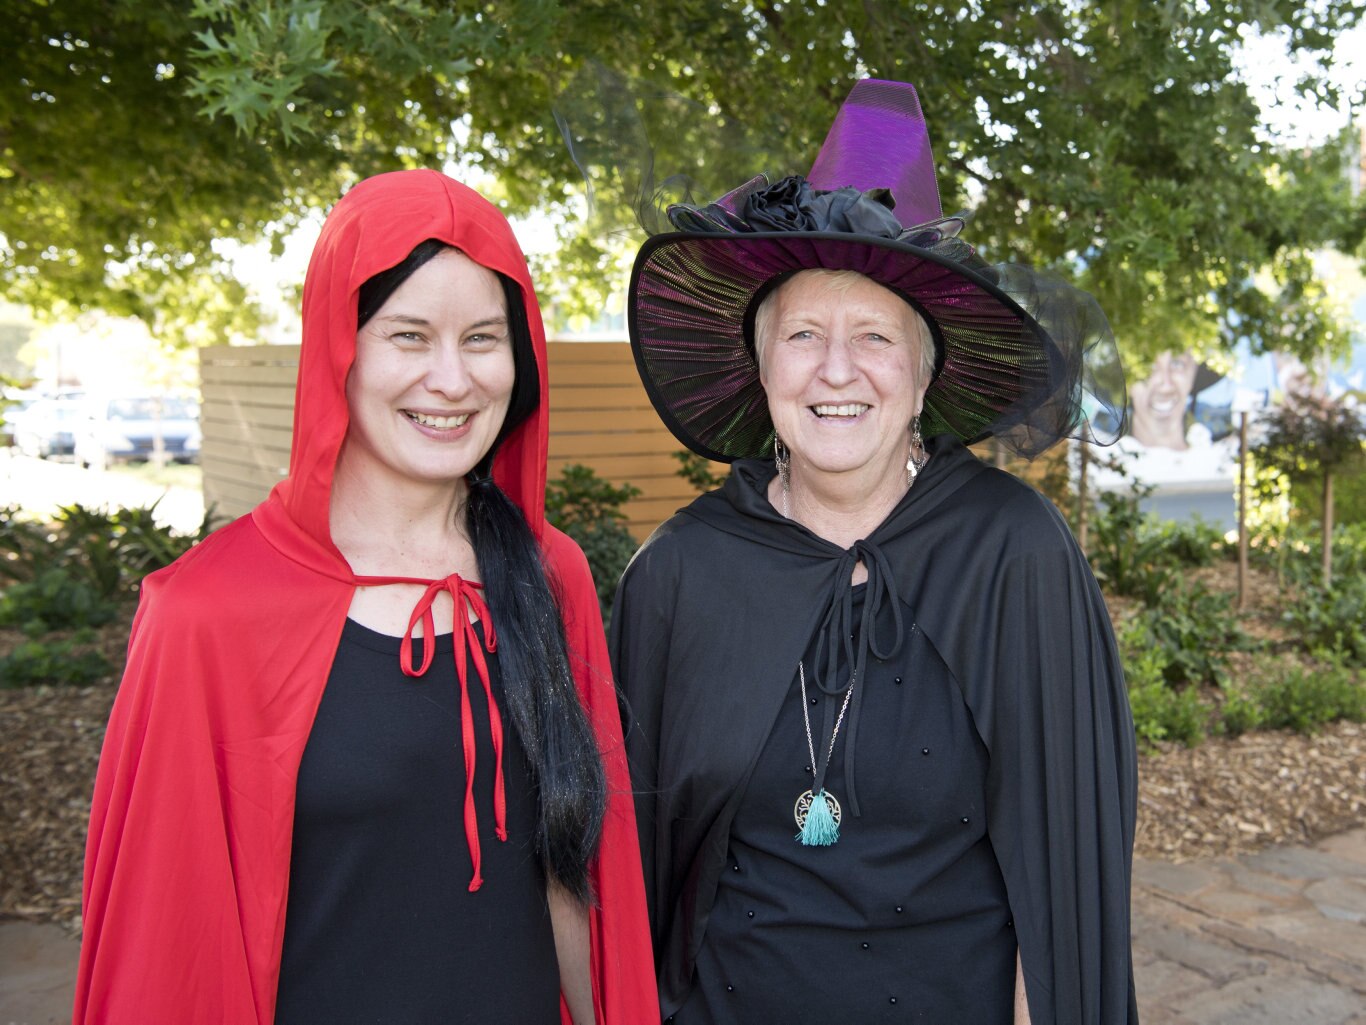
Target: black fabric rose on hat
(793, 205)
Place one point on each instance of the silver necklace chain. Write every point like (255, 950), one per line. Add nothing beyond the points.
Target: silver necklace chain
(806, 717)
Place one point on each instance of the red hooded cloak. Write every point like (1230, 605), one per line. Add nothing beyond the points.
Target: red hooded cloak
(187, 862)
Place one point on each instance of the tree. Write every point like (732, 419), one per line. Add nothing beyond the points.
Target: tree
(1311, 439)
(1112, 140)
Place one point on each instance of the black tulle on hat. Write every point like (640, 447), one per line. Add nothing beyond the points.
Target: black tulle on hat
(1020, 355)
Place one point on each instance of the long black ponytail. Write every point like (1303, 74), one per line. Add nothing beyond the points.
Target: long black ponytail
(538, 683)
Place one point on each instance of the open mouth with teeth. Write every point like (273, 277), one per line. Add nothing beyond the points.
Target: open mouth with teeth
(1163, 404)
(845, 411)
(439, 423)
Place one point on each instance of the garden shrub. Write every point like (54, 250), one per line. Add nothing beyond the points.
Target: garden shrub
(73, 573)
(1305, 697)
(1241, 713)
(117, 548)
(1334, 619)
(1194, 542)
(1296, 554)
(696, 470)
(70, 661)
(23, 545)
(54, 600)
(1284, 693)
(1192, 630)
(588, 509)
(1137, 555)
(1127, 553)
(1160, 711)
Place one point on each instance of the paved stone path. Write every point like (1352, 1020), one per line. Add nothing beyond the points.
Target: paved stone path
(1276, 938)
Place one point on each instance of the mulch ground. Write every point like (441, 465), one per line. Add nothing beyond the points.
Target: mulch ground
(1229, 795)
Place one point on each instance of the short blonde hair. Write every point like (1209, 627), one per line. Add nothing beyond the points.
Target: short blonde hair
(838, 281)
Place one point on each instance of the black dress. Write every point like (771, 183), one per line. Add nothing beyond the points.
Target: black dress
(380, 925)
(905, 918)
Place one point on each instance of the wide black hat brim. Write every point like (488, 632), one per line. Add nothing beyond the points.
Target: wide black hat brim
(691, 305)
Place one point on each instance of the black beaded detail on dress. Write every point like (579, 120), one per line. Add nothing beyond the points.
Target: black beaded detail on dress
(905, 918)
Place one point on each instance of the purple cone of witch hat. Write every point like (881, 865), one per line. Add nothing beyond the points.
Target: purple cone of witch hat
(1019, 355)
(880, 141)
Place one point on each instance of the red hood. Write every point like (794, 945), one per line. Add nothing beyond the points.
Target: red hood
(375, 226)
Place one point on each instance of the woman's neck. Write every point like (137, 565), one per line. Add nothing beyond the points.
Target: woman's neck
(389, 528)
(840, 507)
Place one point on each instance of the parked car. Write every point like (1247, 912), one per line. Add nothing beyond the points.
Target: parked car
(132, 428)
(46, 427)
(13, 404)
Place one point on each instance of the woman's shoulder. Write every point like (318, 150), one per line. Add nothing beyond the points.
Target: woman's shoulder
(678, 539)
(227, 570)
(1022, 518)
(207, 558)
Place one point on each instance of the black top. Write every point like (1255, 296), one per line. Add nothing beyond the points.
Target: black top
(724, 598)
(905, 918)
(381, 926)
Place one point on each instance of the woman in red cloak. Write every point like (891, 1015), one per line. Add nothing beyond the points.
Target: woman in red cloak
(308, 807)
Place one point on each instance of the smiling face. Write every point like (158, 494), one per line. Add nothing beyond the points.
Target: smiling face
(433, 375)
(844, 365)
(1160, 401)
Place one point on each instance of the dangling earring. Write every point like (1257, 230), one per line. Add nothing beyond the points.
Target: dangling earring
(782, 457)
(916, 462)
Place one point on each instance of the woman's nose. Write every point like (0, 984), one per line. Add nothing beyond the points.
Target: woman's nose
(838, 366)
(447, 373)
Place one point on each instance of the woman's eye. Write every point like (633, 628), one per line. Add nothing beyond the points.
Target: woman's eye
(483, 340)
(407, 337)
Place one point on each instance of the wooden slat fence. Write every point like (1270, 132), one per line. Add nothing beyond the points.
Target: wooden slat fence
(599, 416)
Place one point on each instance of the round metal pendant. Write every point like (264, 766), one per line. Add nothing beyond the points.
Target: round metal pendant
(803, 805)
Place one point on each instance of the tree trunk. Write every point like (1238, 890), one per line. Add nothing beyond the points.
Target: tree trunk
(1242, 511)
(1327, 530)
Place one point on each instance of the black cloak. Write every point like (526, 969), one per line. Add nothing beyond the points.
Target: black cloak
(723, 599)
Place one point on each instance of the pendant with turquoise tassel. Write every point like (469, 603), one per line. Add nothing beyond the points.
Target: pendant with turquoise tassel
(818, 818)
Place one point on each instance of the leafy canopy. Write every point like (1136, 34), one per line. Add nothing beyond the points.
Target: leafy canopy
(1113, 140)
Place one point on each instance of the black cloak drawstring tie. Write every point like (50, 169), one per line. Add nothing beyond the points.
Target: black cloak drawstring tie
(836, 634)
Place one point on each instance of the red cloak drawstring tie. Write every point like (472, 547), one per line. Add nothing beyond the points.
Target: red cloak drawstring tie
(467, 598)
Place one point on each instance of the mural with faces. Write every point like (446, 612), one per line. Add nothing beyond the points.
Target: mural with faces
(1162, 409)
(1182, 420)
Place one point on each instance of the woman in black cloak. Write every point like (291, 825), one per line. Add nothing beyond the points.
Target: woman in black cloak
(883, 755)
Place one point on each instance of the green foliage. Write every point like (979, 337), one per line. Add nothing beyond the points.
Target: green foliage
(1119, 131)
(696, 470)
(54, 600)
(114, 550)
(1128, 553)
(1192, 631)
(1137, 555)
(1349, 498)
(23, 545)
(1295, 554)
(1160, 712)
(1292, 696)
(116, 186)
(588, 509)
(1194, 542)
(69, 661)
(1241, 713)
(72, 574)
(1305, 698)
(1332, 619)
(1306, 437)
